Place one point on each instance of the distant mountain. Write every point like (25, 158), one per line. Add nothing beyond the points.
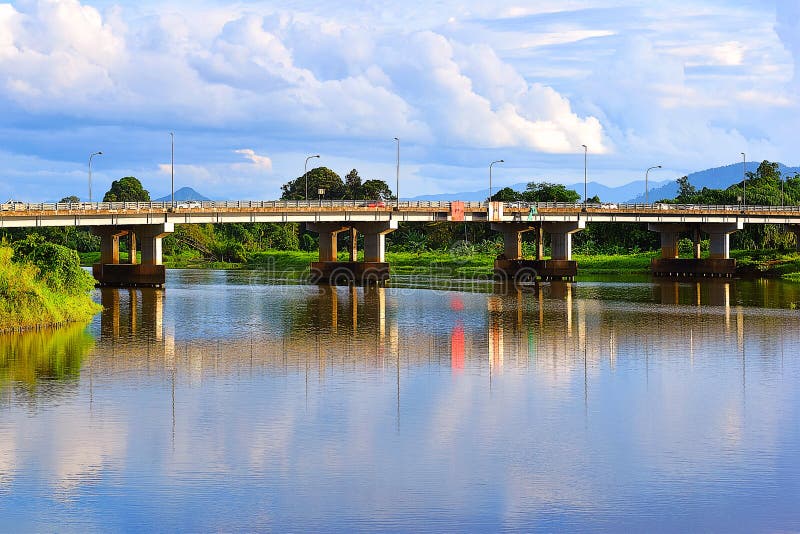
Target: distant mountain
(716, 178)
(606, 194)
(633, 192)
(184, 193)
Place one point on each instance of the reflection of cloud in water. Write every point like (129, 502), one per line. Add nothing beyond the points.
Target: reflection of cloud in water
(82, 449)
(8, 455)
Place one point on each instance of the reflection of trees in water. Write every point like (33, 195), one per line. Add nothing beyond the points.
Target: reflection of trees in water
(30, 358)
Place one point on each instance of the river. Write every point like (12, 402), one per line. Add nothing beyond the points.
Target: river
(232, 402)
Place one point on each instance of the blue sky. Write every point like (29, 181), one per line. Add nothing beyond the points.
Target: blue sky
(251, 88)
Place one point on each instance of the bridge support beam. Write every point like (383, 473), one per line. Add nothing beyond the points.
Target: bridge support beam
(670, 235)
(720, 238)
(328, 235)
(718, 263)
(511, 266)
(373, 269)
(150, 273)
(512, 238)
(561, 238)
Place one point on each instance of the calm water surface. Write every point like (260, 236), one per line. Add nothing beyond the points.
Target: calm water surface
(228, 402)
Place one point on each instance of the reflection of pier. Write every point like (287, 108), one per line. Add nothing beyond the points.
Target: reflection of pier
(341, 328)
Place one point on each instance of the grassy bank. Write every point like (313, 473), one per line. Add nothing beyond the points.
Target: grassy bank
(31, 298)
(443, 264)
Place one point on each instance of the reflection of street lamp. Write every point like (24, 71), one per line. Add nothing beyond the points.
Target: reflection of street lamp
(321, 193)
(490, 176)
(645, 182)
(172, 168)
(93, 154)
(585, 185)
(744, 180)
(397, 187)
(305, 171)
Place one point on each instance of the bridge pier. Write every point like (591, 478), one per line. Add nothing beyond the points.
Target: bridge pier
(719, 262)
(150, 273)
(374, 268)
(512, 266)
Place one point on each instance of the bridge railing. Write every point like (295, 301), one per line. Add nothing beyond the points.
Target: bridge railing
(189, 206)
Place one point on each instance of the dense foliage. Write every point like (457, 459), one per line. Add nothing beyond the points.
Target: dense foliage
(538, 192)
(352, 188)
(42, 284)
(128, 189)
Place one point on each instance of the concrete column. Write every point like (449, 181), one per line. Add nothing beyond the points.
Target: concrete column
(670, 233)
(375, 239)
(539, 242)
(719, 234)
(561, 238)
(109, 242)
(150, 236)
(512, 238)
(353, 244)
(328, 232)
(132, 255)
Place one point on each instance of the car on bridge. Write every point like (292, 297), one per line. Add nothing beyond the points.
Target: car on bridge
(12, 205)
(374, 204)
(190, 204)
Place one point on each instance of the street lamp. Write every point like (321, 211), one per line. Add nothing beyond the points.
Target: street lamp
(585, 183)
(305, 172)
(397, 187)
(172, 168)
(93, 154)
(744, 180)
(490, 176)
(645, 182)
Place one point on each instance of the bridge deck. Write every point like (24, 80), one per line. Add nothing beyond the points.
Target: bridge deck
(121, 213)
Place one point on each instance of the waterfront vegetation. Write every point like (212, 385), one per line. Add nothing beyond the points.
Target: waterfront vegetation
(43, 354)
(447, 264)
(42, 284)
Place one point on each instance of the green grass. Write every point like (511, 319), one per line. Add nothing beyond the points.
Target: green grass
(27, 302)
(443, 264)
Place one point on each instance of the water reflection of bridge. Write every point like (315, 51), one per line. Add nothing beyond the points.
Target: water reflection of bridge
(560, 329)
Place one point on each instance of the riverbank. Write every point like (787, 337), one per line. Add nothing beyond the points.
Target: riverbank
(438, 264)
(30, 300)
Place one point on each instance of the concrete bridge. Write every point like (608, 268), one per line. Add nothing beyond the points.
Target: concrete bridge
(144, 224)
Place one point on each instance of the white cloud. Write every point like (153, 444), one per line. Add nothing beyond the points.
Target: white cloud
(262, 162)
(685, 82)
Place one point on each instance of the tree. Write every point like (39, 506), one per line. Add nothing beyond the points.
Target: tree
(376, 190)
(547, 192)
(320, 177)
(72, 199)
(352, 184)
(686, 191)
(507, 195)
(128, 189)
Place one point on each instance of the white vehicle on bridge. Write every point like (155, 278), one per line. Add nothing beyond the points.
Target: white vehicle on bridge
(12, 205)
(190, 204)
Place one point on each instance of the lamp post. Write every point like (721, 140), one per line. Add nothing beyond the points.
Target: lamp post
(585, 183)
(744, 180)
(397, 187)
(646, 200)
(305, 172)
(172, 167)
(490, 176)
(93, 154)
